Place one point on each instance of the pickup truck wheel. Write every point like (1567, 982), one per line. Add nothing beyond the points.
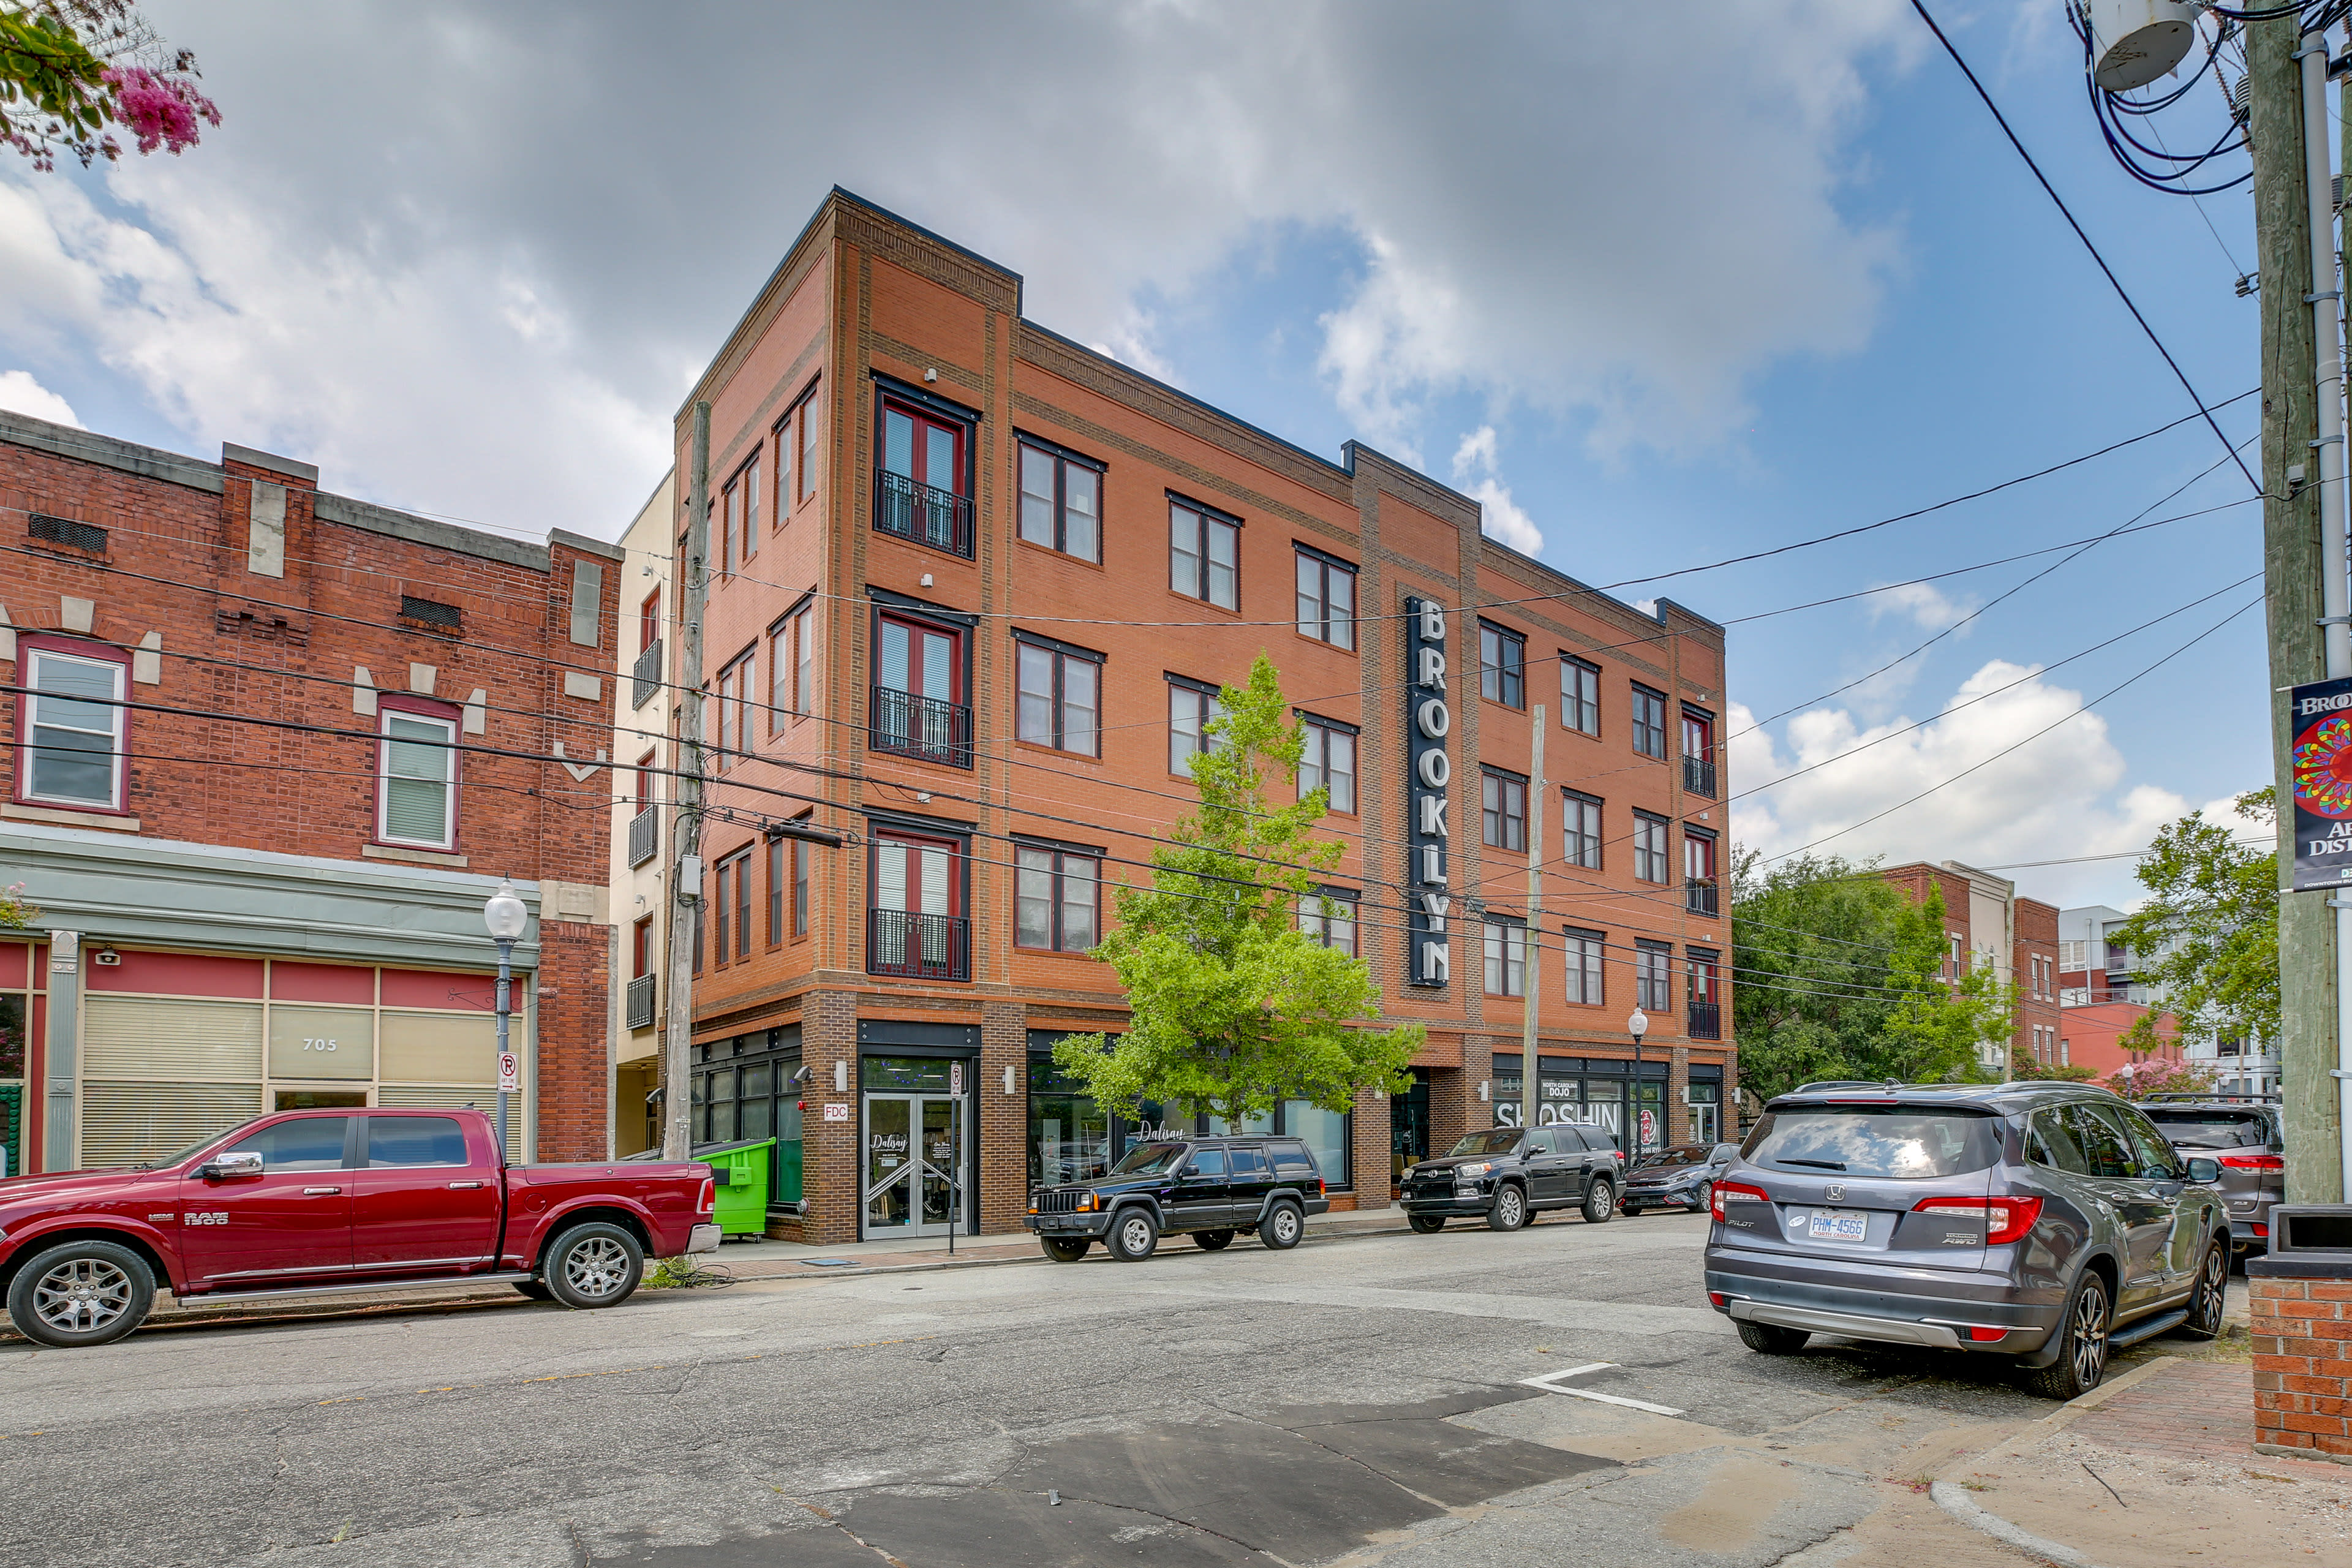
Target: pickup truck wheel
(1599, 1202)
(1511, 1210)
(1133, 1237)
(1213, 1240)
(1065, 1249)
(594, 1265)
(81, 1293)
(1285, 1228)
(536, 1289)
(1425, 1224)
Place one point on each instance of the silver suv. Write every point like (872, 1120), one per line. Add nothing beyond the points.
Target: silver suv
(2050, 1223)
(2241, 1133)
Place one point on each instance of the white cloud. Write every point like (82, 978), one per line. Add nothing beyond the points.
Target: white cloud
(451, 271)
(1499, 517)
(20, 394)
(2063, 795)
(1924, 604)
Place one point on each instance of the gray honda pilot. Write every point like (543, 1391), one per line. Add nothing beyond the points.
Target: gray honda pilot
(2050, 1223)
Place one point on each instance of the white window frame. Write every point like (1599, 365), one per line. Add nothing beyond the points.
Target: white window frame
(384, 834)
(32, 725)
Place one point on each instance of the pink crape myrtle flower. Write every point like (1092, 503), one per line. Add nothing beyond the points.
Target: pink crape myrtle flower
(161, 111)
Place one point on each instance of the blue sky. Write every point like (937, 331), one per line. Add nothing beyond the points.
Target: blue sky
(1704, 292)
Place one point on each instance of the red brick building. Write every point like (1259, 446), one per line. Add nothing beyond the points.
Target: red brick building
(1987, 924)
(271, 748)
(974, 590)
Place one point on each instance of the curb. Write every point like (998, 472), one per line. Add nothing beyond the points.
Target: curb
(1954, 1499)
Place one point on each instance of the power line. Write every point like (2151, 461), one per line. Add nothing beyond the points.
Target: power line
(2113, 282)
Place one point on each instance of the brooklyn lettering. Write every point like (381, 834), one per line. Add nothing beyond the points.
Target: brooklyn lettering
(1429, 771)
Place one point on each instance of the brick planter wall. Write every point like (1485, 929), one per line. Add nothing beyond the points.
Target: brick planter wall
(2303, 1359)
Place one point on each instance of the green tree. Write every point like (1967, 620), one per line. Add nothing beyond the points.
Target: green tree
(71, 70)
(1232, 1008)
(15, 912)
(2212, 919)
(1837, 975)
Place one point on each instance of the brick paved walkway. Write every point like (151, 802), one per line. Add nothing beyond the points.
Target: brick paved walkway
(2198, 1410)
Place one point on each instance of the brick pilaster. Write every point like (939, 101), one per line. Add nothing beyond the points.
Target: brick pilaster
(1370, 1151)
(1003, 1117)
(2301, 1332)
(1678, 1129)
(829, 1165)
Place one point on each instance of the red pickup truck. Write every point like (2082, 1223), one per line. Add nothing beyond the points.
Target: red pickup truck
(309, 1202)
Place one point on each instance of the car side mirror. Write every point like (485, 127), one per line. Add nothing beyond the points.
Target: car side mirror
(2204, 1173)
(231, 1166)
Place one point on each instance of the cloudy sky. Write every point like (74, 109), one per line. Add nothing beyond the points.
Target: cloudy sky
(1658, 292)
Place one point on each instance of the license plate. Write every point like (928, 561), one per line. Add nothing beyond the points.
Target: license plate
(1838, 1225)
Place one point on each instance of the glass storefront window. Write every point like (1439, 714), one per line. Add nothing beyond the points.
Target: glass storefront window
(12, 1087)
(1325, 1133)
(1070, 1138)
(755, 1114)
(905, 1075)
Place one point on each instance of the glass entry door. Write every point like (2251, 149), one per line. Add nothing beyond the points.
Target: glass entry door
(912, 1143)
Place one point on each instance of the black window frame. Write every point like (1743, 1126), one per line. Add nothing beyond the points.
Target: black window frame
(1321, 932)
(1329, 728)
(1205, 696)
(1327, 622)
(1063, 459)
(1649, 720)
(1491, 922)
(1206, 517)
(1576, 703)
(1578, 849)
(1497, 788)
(1504, 682)
(1587, 960)
(1058, 879)
(1062, 654)
(1654, 977)
(1660, 855)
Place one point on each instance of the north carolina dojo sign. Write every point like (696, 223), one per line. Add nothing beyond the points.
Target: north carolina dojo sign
(1429, 955)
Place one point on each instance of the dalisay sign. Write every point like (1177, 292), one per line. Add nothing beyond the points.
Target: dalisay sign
(2322, 752)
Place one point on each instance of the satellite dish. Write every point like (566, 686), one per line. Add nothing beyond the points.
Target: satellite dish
(2133, 42)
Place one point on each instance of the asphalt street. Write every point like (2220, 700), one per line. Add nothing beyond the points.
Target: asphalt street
(1359, 1399)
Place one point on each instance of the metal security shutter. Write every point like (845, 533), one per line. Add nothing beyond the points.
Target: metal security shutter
(483, 1097)
(176, 1040)
(128, 1123)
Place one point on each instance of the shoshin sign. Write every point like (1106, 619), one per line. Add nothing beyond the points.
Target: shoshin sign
(2322, 752)
(1428, 721)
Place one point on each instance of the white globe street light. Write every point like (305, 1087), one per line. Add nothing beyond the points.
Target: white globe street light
(1637, 1024)
(506, 918)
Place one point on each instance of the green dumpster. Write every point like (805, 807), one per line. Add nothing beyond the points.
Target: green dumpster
(741, 1171)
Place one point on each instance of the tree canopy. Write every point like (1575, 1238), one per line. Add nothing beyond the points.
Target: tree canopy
(69, 69)
(1233, 1007)
(1838, 975)
(2210, 927)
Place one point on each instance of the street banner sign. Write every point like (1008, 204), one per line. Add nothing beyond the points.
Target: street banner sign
(2320, 716)
(509, 1073)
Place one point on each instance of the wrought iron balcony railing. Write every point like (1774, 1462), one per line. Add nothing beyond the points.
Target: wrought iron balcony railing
(645, 835)
(924, 513)
(1705, 1022)
(918, 947)
(641, 1002)
(1698, 777)
(645, 676)
(924, 727)
(1700, 897)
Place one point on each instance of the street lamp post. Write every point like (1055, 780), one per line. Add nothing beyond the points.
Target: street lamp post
(1637, 1024)
(505, 916)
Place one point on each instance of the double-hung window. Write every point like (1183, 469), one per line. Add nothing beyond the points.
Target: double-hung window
(74, 729)
(1328, 919)
(1327, 598)
(417, 795)
(1328, 761)
(743, 511)
(797, 435)
(1649, 847)
(1056, 899)
(1060, 695)
(1504, 811)
(1580, 695)
(1203, 554)
(1649, 723)
(1502, 664)
(743, 864)
(1192, 704)
(1507, 958)
(776, 890)
(735, 683)
(801, 859)
(1061, 499)
(792, 667)
(1653, 989)
(1579, 826)
(730, 522)
(1586, 951)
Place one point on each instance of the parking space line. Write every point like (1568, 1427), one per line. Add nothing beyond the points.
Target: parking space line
(1550, 1382)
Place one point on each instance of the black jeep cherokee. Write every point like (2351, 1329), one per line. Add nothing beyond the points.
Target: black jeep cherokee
(1504, 1174)
(1210, 1189)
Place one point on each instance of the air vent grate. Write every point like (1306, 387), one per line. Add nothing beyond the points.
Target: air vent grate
(431, 613)
(66, 531)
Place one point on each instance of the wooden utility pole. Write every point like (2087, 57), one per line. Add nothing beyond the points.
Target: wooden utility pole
(1533, 978)
(2293, 567)
(686, 858)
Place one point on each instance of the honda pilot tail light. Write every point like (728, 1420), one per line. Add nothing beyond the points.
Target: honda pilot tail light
(1737, 1190)
(2007, 1219)
(2275, 1163)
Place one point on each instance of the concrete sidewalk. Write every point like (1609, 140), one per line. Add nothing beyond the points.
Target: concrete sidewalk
(2156, 1468)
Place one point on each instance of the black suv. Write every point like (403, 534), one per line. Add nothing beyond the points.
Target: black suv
(1212, 1189)
(1506, 1174)
(2241, 1133)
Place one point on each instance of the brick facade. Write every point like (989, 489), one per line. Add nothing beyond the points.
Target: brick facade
(1989, 923)
(867, 311)
(262, 624)
(2301, 1332)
